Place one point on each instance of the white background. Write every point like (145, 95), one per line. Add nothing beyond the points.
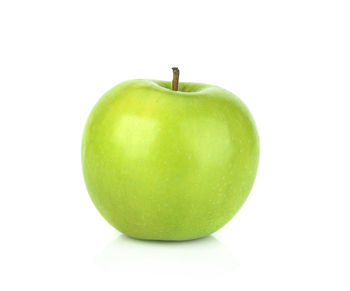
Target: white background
(289, 61)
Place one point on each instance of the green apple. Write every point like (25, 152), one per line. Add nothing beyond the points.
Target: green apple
(167, 164)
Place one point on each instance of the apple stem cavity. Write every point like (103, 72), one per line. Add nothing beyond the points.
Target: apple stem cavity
(176, 74)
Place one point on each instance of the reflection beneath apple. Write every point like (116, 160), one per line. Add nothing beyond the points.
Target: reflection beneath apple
(207, 254)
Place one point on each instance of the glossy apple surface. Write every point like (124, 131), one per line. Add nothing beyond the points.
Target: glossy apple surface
(169, 165)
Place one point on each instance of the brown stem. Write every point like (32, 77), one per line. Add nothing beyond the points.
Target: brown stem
(176, 74)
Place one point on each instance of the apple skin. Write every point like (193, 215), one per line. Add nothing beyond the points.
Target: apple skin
(169, 165)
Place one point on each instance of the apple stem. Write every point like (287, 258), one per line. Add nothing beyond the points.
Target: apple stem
(176, 74)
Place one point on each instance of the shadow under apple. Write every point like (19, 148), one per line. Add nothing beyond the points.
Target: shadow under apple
(205, 255)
